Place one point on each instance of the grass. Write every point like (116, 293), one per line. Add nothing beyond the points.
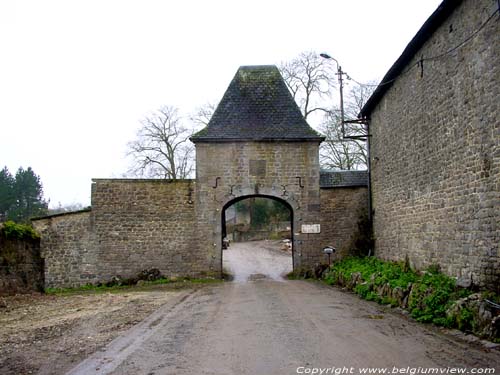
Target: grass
(185, 282)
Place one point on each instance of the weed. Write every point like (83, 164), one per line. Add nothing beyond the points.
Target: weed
(20, 231)
(103, 288)
(432, 292)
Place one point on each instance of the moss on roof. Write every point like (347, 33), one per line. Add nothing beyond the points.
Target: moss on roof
(257, 106)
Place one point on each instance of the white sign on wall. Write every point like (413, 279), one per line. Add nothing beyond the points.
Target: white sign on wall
(311, 228)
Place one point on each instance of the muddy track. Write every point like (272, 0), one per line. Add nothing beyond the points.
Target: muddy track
(270, 327)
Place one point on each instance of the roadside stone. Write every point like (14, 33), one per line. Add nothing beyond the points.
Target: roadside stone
(490, 345)
(115, 280)
(374, 276)
(320, 269)
(355, 280)
(150, 274)
(398, 295)
(495, 327)
(464, 282)
(384, 290)
(485, 322)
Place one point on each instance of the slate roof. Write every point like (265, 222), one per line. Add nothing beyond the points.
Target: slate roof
(334, 179)
(257, 106)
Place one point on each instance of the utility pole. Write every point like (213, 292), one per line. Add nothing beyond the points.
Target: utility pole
(360, 121)
(343, 121)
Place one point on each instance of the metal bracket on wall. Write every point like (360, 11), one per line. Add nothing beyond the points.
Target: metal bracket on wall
(300, 182)
(216, 183)
(190, 196)
(360, 121)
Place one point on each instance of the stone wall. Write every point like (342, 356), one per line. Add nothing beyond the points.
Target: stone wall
(287, 171)
(21, 267)
(144, 224)
(341, 211)
(435, 153)
(68, 249)
(134, 225)
(176, 226)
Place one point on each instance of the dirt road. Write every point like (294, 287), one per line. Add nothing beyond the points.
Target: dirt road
(266, 327)
(256, 260)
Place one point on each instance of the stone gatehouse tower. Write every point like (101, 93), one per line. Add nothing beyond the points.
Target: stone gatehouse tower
(256, 144)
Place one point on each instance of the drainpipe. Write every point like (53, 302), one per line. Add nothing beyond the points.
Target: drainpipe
(369, 167)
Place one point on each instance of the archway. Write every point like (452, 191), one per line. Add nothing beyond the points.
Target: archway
(259, 228)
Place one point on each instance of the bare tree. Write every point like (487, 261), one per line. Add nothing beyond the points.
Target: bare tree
(203, 114)
(337, 152)
(310, 79)
(357, 97)
(162, 148)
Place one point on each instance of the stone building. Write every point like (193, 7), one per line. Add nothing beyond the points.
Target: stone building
(435, 172)
(435, 146)
(257, 144)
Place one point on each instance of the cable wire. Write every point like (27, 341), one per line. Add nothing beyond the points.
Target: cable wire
(450, 51)
(466, 40)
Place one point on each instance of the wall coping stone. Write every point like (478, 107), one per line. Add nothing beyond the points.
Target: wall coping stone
(87, 209)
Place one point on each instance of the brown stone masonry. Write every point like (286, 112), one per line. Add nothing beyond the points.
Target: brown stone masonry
(435, 153)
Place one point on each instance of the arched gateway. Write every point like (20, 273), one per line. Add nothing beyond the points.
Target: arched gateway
(256, 144)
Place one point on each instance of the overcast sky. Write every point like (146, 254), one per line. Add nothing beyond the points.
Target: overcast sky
(77, 76)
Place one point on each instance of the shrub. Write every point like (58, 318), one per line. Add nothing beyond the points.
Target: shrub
(370, 267)
(19, 231)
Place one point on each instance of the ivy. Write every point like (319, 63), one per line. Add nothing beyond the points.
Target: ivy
(12, 230)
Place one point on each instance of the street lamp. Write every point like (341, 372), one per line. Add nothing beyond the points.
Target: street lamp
(362, 121)
(340, 73)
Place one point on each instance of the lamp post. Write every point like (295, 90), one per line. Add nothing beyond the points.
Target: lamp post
(340, 73)
(363, 121)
